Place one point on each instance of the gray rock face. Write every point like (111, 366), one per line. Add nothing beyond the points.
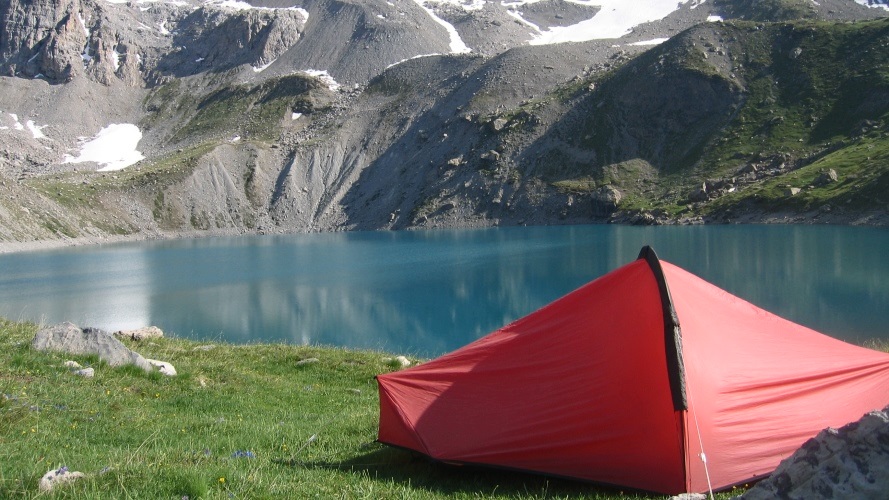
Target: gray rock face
(42, 37)
(61, 56)
(606, 200)
(220, 39)
(850, 462)
(67, 337)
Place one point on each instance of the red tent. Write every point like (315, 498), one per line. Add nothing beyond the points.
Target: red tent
(648, 378)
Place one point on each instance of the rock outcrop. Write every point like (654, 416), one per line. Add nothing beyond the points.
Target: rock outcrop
(69, 338)
(849, 462)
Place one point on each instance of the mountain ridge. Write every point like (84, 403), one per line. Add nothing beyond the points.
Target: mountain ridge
(256, 138)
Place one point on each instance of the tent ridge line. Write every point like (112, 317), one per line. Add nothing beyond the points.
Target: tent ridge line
(672, 331)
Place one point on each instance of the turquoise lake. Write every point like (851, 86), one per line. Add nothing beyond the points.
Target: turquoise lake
(424, 293)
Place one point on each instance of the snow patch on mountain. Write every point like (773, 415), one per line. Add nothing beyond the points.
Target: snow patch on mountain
(82, 21)
(518, 17)
(30, 125)
(114, 147)
(467, 5)
(411, 59)
(615, 19)
(654, 41)
(17, 125)
(325, 77)
(260, 69)
(36, 130)
(876, 4)
(239, 5)
(457, 46)
(177, 3)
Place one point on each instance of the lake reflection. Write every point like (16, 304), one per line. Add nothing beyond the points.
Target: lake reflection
(428, 292)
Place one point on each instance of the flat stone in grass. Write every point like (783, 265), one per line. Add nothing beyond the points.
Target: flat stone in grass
(69, 338)
(147, 332)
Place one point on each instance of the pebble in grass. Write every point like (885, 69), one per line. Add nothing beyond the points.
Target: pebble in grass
(58, 477)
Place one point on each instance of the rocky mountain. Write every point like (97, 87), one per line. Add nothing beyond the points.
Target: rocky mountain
(148, 117)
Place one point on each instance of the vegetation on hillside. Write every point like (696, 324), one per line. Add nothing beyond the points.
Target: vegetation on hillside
(783, 102)
(250, 111)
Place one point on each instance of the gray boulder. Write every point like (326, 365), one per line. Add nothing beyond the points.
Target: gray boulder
(826, 178)
(69, 338)
(850, 462)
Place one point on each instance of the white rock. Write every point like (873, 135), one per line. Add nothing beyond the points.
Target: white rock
(163, 367)
(57, 477)
(72, 364)
(86, 372)
(401, 360)
(307, 361)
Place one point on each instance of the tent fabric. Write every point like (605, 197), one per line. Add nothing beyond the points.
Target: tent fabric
(628, 380)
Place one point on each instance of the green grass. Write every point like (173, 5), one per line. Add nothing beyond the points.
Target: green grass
(767, 10)
(862, 184)
(814, 92)
(237, 422)
(256, 111)
(83, 193)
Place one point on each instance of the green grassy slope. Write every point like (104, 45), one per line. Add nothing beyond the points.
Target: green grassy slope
(790, 100)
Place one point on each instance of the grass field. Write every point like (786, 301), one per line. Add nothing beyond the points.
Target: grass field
(237, 422)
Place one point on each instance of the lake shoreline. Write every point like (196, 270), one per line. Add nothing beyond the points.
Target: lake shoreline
(877, 219)
(429, 291)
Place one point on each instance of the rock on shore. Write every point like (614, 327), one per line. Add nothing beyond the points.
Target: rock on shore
(849, 462)
(69, 338)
